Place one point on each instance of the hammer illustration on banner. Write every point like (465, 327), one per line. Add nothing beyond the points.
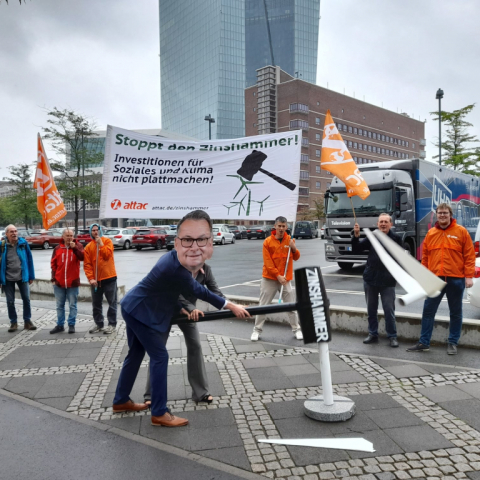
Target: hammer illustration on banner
(414, 278)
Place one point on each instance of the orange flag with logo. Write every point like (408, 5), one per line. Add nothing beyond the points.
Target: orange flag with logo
(49, 203)
(337, 159)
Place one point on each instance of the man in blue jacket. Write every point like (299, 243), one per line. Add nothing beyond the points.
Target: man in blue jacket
(149, 307)
(17, 268)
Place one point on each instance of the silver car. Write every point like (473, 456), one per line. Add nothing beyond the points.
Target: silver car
(222, 234)
(121, 237)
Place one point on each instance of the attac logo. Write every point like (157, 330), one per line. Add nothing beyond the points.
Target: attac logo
(116, 204)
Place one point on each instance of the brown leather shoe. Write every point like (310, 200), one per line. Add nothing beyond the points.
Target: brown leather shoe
(29, 326)
(169, 420)
(13, 327)
(129, 407)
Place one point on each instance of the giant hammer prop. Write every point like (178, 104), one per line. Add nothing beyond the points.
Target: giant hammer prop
(253, 164)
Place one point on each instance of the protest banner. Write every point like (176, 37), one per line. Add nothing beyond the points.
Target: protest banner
(252, 178)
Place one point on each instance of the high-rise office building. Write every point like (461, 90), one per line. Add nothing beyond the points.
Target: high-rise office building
(208, 51)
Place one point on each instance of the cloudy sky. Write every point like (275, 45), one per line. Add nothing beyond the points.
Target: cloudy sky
(101, 59)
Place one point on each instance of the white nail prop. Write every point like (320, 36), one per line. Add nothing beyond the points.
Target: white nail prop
(409, 284)
(357, 444)
(428, 281)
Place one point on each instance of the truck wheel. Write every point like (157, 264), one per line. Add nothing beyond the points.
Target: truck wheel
(408, 248)
(345, 265)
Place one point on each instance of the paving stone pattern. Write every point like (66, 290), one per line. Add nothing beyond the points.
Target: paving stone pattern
(424, 421)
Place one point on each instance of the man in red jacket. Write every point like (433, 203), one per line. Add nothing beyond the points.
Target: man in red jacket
(447, 252)
(65, 263)
(276, 250)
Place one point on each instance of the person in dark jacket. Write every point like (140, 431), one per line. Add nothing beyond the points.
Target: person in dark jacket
(17, 268)
(149, 307)
(65, 263)
(197, 373)
(377, 280)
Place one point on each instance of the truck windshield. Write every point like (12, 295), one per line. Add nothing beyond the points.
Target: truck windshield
(377, 202)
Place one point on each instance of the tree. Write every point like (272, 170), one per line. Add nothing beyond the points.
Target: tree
(22, 205)
(316, 213)
(456, 149)
(72, 136)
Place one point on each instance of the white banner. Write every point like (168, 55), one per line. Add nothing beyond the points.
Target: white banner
(252, 178)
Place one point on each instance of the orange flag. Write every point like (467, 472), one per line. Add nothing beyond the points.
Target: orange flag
(49, 203)
(337, 159)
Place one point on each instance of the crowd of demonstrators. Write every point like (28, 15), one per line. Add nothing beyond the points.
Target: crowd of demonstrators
(99, 267)
(448, 252)
(16, 268)
(65, 264)
(277, 248)
(378, 281)
(149, 307)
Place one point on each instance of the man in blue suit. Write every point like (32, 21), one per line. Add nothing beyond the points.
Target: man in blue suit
(148, 308)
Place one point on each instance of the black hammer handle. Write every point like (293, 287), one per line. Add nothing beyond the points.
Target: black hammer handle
(221, 314)
(280, 180)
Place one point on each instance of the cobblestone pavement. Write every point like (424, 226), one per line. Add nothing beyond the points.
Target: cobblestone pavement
(423, 419)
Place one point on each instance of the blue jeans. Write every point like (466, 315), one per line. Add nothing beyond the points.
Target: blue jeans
(24, 289)
(454, 290)
(141, 339)
(61, 295)
(388, 302)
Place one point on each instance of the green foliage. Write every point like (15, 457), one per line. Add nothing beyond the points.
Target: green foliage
(72, 137)
(457, 149)
(22, 205)
(317, 213)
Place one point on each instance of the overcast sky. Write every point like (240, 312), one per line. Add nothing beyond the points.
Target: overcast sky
(101, 59)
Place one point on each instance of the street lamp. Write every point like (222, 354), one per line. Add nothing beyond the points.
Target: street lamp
(439, 97)
(210, 120)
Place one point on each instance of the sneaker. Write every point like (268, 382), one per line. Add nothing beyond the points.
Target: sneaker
(29, 326)
(95, 329)
(57, 329)
(255, 336)
(13, 327)
(419, 347)
(451, 349)
(71, 329)
(109, 330)
(298, 335)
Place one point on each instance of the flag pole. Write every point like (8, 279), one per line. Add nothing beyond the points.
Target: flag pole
(354, 216)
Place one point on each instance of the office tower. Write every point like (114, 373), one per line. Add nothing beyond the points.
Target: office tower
(208, 49)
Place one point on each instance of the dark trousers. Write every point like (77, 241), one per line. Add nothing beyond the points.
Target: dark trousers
(454, 291)
(387, 295)
(109, 289)
(141, 339)
(24, 289)
(197, 373)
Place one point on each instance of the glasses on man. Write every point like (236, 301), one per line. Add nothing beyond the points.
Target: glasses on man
(442, 213)
(188, 242)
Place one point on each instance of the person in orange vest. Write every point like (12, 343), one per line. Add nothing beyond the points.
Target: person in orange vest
(275, 253)
(447, 252)
(99, 267)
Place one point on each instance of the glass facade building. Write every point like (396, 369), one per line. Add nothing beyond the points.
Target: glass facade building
(209, 50)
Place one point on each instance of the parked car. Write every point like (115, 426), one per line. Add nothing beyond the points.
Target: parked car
(322, 231)
(240, 231)
(83, 235)
(259, 231)
(149, 237)
(121, 237)
(43, 240)
(170, 239)
(305, 230)
(222, 234)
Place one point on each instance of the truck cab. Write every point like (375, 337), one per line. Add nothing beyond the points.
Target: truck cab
(391, 192)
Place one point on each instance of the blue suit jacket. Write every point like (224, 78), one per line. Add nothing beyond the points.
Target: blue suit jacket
(154, 301)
